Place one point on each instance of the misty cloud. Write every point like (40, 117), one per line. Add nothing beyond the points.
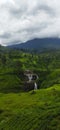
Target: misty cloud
(24, 20)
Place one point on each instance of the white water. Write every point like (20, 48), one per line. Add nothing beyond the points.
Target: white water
(30, 78)
(35, 86)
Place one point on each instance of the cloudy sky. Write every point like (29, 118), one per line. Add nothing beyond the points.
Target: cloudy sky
(28, 19)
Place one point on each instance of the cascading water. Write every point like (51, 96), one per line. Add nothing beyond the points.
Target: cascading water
(35, 86)
(30, 78)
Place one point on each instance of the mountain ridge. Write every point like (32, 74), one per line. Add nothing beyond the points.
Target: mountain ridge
(36, 44)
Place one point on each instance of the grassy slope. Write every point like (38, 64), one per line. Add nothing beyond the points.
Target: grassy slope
(31, 111)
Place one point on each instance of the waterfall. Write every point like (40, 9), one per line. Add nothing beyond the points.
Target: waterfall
(30, 78)
(35, 86)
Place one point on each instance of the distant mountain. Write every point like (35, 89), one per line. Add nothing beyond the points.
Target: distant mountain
(38, 44)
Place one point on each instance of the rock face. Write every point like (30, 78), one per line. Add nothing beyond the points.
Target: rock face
(30, 75)
(28, 86)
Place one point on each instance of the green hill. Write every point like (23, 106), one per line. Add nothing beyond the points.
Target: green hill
(33, 110)
(39, 110)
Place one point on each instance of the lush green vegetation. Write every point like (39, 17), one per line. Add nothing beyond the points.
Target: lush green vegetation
(38, 110)
(33, 110)
(13, 63)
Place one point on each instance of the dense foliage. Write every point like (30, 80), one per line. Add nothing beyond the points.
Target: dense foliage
(13, 63)
(35, 110)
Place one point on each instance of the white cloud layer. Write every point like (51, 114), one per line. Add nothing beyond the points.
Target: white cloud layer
(27, 19)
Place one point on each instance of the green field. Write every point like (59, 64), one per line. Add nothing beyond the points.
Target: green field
(32, 110)
(38, 110)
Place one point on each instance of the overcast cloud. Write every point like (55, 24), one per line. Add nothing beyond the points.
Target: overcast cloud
(27, 19)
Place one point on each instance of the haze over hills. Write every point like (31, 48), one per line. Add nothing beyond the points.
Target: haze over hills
(38, 44)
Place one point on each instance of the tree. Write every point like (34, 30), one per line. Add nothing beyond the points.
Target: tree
(3, 59)
(18, 67)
